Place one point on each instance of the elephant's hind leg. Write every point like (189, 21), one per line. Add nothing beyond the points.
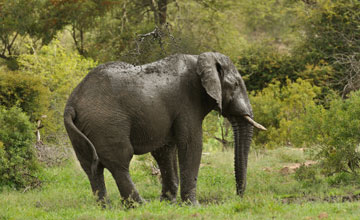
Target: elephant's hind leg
(96, 180)
(167, 160)
(118, 164)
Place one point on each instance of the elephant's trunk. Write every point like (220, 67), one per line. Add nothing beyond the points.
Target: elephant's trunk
(243, 132)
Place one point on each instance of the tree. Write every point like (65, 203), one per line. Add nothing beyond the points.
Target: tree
(79, 14)
(16, 19)
(332, 35)
(23, 19)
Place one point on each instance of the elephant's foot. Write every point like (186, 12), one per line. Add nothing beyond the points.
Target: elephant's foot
(131, 203)
(104, 203)
(190, 199)
(168, 197)
(193, 202)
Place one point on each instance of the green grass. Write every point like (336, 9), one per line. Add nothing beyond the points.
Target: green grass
(66, 194)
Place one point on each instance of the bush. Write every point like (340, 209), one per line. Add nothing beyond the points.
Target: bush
(330, 29)
(24, 91)
(280, 108)
(261, 64)
(17, 157)
(336, 132)
(308, 175)
(60, 70)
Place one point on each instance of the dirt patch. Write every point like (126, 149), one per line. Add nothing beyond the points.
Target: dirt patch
(291, 168)
(330, 199)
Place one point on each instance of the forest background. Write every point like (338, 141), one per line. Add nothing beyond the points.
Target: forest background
(300, 60)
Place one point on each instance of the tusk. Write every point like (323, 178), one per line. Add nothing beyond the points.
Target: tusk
(254, 123)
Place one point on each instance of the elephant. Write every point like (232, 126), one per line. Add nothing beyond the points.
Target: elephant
(119, 110)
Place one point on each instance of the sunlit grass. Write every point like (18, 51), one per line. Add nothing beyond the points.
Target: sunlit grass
(66, 193)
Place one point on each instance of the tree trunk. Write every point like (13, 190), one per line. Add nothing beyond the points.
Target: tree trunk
(162, 9)
(159, 8)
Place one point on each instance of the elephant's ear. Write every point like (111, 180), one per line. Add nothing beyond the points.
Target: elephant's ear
(209, 71)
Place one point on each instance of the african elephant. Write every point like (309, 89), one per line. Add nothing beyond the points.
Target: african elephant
(119, 110)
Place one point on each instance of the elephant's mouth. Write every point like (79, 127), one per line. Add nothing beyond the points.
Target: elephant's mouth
(254, 123)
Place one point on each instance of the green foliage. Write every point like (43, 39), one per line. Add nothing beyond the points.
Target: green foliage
(25, 91)
(207, 26)
(336, 132)
(60, 70)
(280, 108)
(260, 65)
(307, 130)
(271, 20)
(217, 132)
(42, 19)
(187, 30)
(327, 56)
(17, 157)
(308, 175)
(81, 15)
(331, 28)
(13, 25)
(24, 19)
(105, 30)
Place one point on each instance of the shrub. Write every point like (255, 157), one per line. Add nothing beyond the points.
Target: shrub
(333, 134)
(261, 64)
(308, 175)
(17, 157)
(60, 70)
(280, 108)
(330, 28)
(24, 91)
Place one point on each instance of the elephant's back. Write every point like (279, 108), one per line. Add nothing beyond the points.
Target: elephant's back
(153, 83)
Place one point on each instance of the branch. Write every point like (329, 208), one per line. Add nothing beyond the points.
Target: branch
(162, 10)
(153, 8)
(74, 36)
(155, 33)
(4, 57)
(207, 5)
(223, 141)
(4, 41)
(78, 47)
(124, 18)
(12, 42)
(81, 41)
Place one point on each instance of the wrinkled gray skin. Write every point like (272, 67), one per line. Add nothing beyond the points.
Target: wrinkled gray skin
(119, 110)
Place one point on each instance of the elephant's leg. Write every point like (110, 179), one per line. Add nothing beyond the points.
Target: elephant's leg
(189, 152)
(118, 161)
(167, 160)
(96, 180)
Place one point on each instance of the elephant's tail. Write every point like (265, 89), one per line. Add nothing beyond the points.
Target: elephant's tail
(73, 131)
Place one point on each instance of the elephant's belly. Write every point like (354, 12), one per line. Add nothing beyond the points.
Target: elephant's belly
(147, 139)
(147, 146)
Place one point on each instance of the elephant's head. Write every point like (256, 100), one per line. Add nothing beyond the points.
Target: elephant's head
(224, 84)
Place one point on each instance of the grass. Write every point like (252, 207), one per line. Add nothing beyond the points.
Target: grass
(66, 194)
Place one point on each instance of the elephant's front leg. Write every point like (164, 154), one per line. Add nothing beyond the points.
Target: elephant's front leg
(167, 160)
(189, 151)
